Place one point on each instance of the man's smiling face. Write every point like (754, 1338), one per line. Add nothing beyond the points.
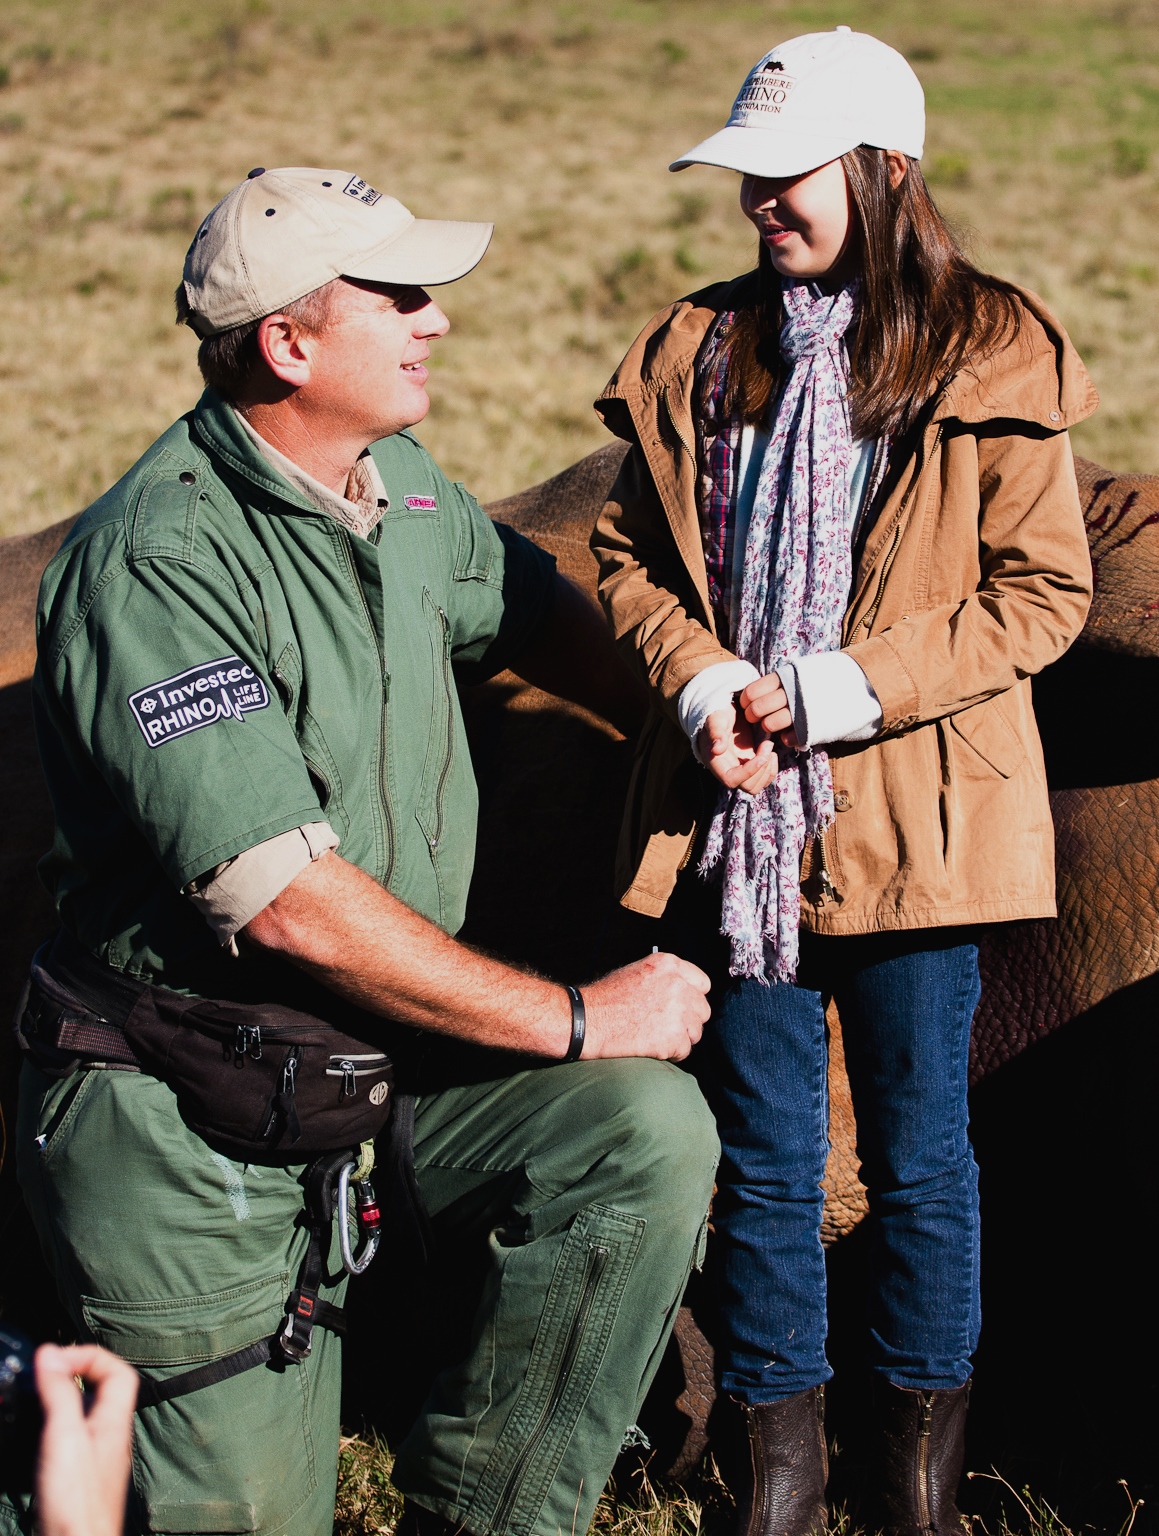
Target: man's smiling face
(367, 364)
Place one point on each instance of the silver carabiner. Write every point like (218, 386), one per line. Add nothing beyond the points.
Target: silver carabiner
(352, 1265)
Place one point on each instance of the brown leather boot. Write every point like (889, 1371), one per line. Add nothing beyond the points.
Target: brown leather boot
(922, 1449)
(790, 1466)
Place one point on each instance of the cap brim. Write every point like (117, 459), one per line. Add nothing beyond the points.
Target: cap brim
(772, 152)
(427, 253)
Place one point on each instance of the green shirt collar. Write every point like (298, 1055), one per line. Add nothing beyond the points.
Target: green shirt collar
(218, 427)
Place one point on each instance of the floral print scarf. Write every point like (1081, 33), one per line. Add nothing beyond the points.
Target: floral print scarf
(795, 587)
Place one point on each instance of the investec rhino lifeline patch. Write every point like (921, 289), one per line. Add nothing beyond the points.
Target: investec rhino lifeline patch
(762, 96)
(225, 689)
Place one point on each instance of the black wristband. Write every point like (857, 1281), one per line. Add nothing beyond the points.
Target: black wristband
(579, 1023)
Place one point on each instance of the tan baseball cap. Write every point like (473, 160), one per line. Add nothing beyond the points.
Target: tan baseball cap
(283, 233)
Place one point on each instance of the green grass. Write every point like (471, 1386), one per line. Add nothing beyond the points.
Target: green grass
(120, 124)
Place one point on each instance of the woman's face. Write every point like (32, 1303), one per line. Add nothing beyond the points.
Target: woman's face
(804, 220)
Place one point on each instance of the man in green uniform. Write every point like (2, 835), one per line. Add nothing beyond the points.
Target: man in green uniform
(247, 715)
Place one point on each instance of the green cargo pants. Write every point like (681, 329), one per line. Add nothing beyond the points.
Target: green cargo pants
(584, 1187)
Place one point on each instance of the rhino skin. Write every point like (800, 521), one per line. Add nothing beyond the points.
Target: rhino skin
(1057, 1116)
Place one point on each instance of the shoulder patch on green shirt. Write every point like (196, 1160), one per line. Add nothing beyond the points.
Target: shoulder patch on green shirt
(225, 689)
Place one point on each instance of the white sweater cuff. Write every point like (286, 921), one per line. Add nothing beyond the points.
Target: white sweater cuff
(711, 689)
(835, 700)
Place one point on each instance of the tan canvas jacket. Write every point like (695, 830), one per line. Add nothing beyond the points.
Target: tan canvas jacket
(974, 576)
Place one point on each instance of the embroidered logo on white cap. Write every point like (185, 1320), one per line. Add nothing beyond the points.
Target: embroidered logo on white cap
(763, 95)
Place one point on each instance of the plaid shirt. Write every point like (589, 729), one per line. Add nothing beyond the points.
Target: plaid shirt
(719, 455)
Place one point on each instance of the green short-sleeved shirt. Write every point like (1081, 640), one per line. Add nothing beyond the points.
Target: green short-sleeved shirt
(219, 661)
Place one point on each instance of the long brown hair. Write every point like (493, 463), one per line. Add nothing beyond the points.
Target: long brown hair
(924, 309)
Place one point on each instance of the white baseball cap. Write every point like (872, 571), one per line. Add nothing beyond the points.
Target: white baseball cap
(813, 99)
(281, 234)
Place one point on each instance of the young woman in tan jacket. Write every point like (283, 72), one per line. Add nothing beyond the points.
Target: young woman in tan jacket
(846, 535)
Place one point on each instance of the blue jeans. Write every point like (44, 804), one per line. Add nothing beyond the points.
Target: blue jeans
(906, 1001)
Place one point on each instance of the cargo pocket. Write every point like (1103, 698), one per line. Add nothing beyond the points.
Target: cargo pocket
(570, 1343)
(236, 1456)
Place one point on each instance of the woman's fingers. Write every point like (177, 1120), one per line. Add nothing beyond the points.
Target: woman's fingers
(718, 731)
(750, 771)
(766, 703)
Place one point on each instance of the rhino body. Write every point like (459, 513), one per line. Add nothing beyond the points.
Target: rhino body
(1062, 1038)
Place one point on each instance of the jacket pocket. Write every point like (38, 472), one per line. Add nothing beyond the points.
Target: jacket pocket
(319, 760)
(324, 775)
(990, 736)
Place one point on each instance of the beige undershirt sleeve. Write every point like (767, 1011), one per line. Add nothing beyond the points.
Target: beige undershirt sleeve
(232, 893)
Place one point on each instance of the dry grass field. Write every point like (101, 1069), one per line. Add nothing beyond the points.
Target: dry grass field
(121, 121)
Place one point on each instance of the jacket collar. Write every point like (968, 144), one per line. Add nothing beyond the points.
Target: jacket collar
(1038, 377)
(217, 425)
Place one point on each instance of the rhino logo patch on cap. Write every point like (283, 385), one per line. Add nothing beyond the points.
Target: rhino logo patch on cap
(225, 689)
(356, 187)
(762, 96)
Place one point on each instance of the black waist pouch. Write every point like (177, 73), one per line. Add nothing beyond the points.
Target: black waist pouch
(261, 1082)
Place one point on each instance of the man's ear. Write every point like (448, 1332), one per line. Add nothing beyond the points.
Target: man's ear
(898, 165)
(280, 344)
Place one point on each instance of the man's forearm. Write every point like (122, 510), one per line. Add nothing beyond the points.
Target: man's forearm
(339, 925)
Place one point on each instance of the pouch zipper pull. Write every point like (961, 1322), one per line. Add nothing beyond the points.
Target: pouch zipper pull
(248, 1041)
(349, 1080)
(290, 1069)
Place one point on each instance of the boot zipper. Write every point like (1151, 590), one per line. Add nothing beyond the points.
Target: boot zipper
(757, 1452)
(923, 1489)
(593, 1269)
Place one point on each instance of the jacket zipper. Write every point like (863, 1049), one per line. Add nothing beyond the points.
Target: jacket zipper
(445, 770)
(923, 1489)
(828, 889)
(867, 622)
(596, 1261)
(384, 798)
(680, 437)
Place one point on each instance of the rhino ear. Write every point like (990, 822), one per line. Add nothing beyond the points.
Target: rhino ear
(1122, 519)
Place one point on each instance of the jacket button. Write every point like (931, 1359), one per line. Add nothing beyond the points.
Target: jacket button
(843, 800)
(186, 477)
(1054, 416)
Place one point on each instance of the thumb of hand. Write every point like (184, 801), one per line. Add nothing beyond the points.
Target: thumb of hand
(59, 1393)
